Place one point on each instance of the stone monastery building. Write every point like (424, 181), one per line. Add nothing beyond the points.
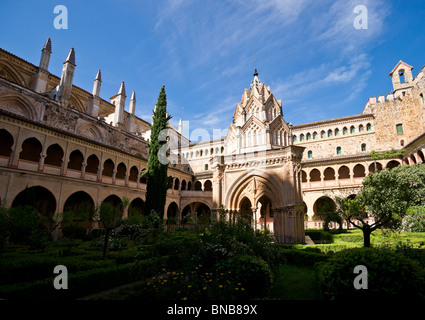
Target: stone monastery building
(61, 146)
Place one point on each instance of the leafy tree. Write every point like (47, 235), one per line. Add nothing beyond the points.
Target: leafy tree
(111, 217)
(386, 196)
(157, 183)
(327, 212)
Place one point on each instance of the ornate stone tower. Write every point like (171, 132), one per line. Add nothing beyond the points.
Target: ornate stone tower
(260, 173)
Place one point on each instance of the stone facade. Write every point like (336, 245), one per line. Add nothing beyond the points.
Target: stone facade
(66, 145)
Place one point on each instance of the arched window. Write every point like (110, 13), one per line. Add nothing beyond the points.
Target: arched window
(368, 127)
(134, 173)
(54, 155)
(206, 167)
(352, 129)
(108, 168)
(121, 171)
(401, 76)
(310, 154)
(314, 135)
(363, 147)
(308, 136)
(329, 133)
(361, 128)
(336, 132)
(294, 138)
(338, 150)
(31, 150)
(322, 134)
(208, 185)
(344, 131)
(6, 143)
(76, 159)
(301, 137)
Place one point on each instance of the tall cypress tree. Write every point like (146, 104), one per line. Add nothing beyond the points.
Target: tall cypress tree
(157, 184)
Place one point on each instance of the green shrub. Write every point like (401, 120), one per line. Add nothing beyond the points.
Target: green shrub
(97, 233)
(251, 273)
(304, 257)
(74, 231)
(390, 275)
(319, 235)
(83, 283)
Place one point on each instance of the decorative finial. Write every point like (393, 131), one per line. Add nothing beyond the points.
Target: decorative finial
(48, 45)
(255, 67)
(98, 76)
(71, 56)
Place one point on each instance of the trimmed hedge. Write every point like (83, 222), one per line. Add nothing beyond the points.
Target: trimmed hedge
(303, 257)
(35, 268)
(390, 275)
(85, 282)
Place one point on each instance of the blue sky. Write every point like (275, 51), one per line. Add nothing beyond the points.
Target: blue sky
(308, 51)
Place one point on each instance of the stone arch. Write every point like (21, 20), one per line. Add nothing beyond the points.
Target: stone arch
(183, 187)
(136, 207)
(108, 168)
(115, 201)
(31, 150)
(208, 185)
(372, 167)
(392, 164)
(303, 176)
(121, 171)
(329, 174)
(198, 186)
(6, 143)
(134, 173)
(323, 204)
(54, 155)
(244, 185)
(421, 156)
(92, 164)
(38, 197)
(172, 210)
(91, 132)
(176, 184)
(359, 171)
(9, 72)
(264, 205)
(19, 105)
(80, 201)
(343, 173)
(315, 175)
(76, 159)
(75, 103)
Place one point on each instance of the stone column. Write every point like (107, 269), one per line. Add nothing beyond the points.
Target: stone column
(254, 214)
(217, 185)
(41, 162)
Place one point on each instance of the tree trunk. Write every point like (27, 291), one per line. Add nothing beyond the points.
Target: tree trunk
(366, 237)
(106, 243)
